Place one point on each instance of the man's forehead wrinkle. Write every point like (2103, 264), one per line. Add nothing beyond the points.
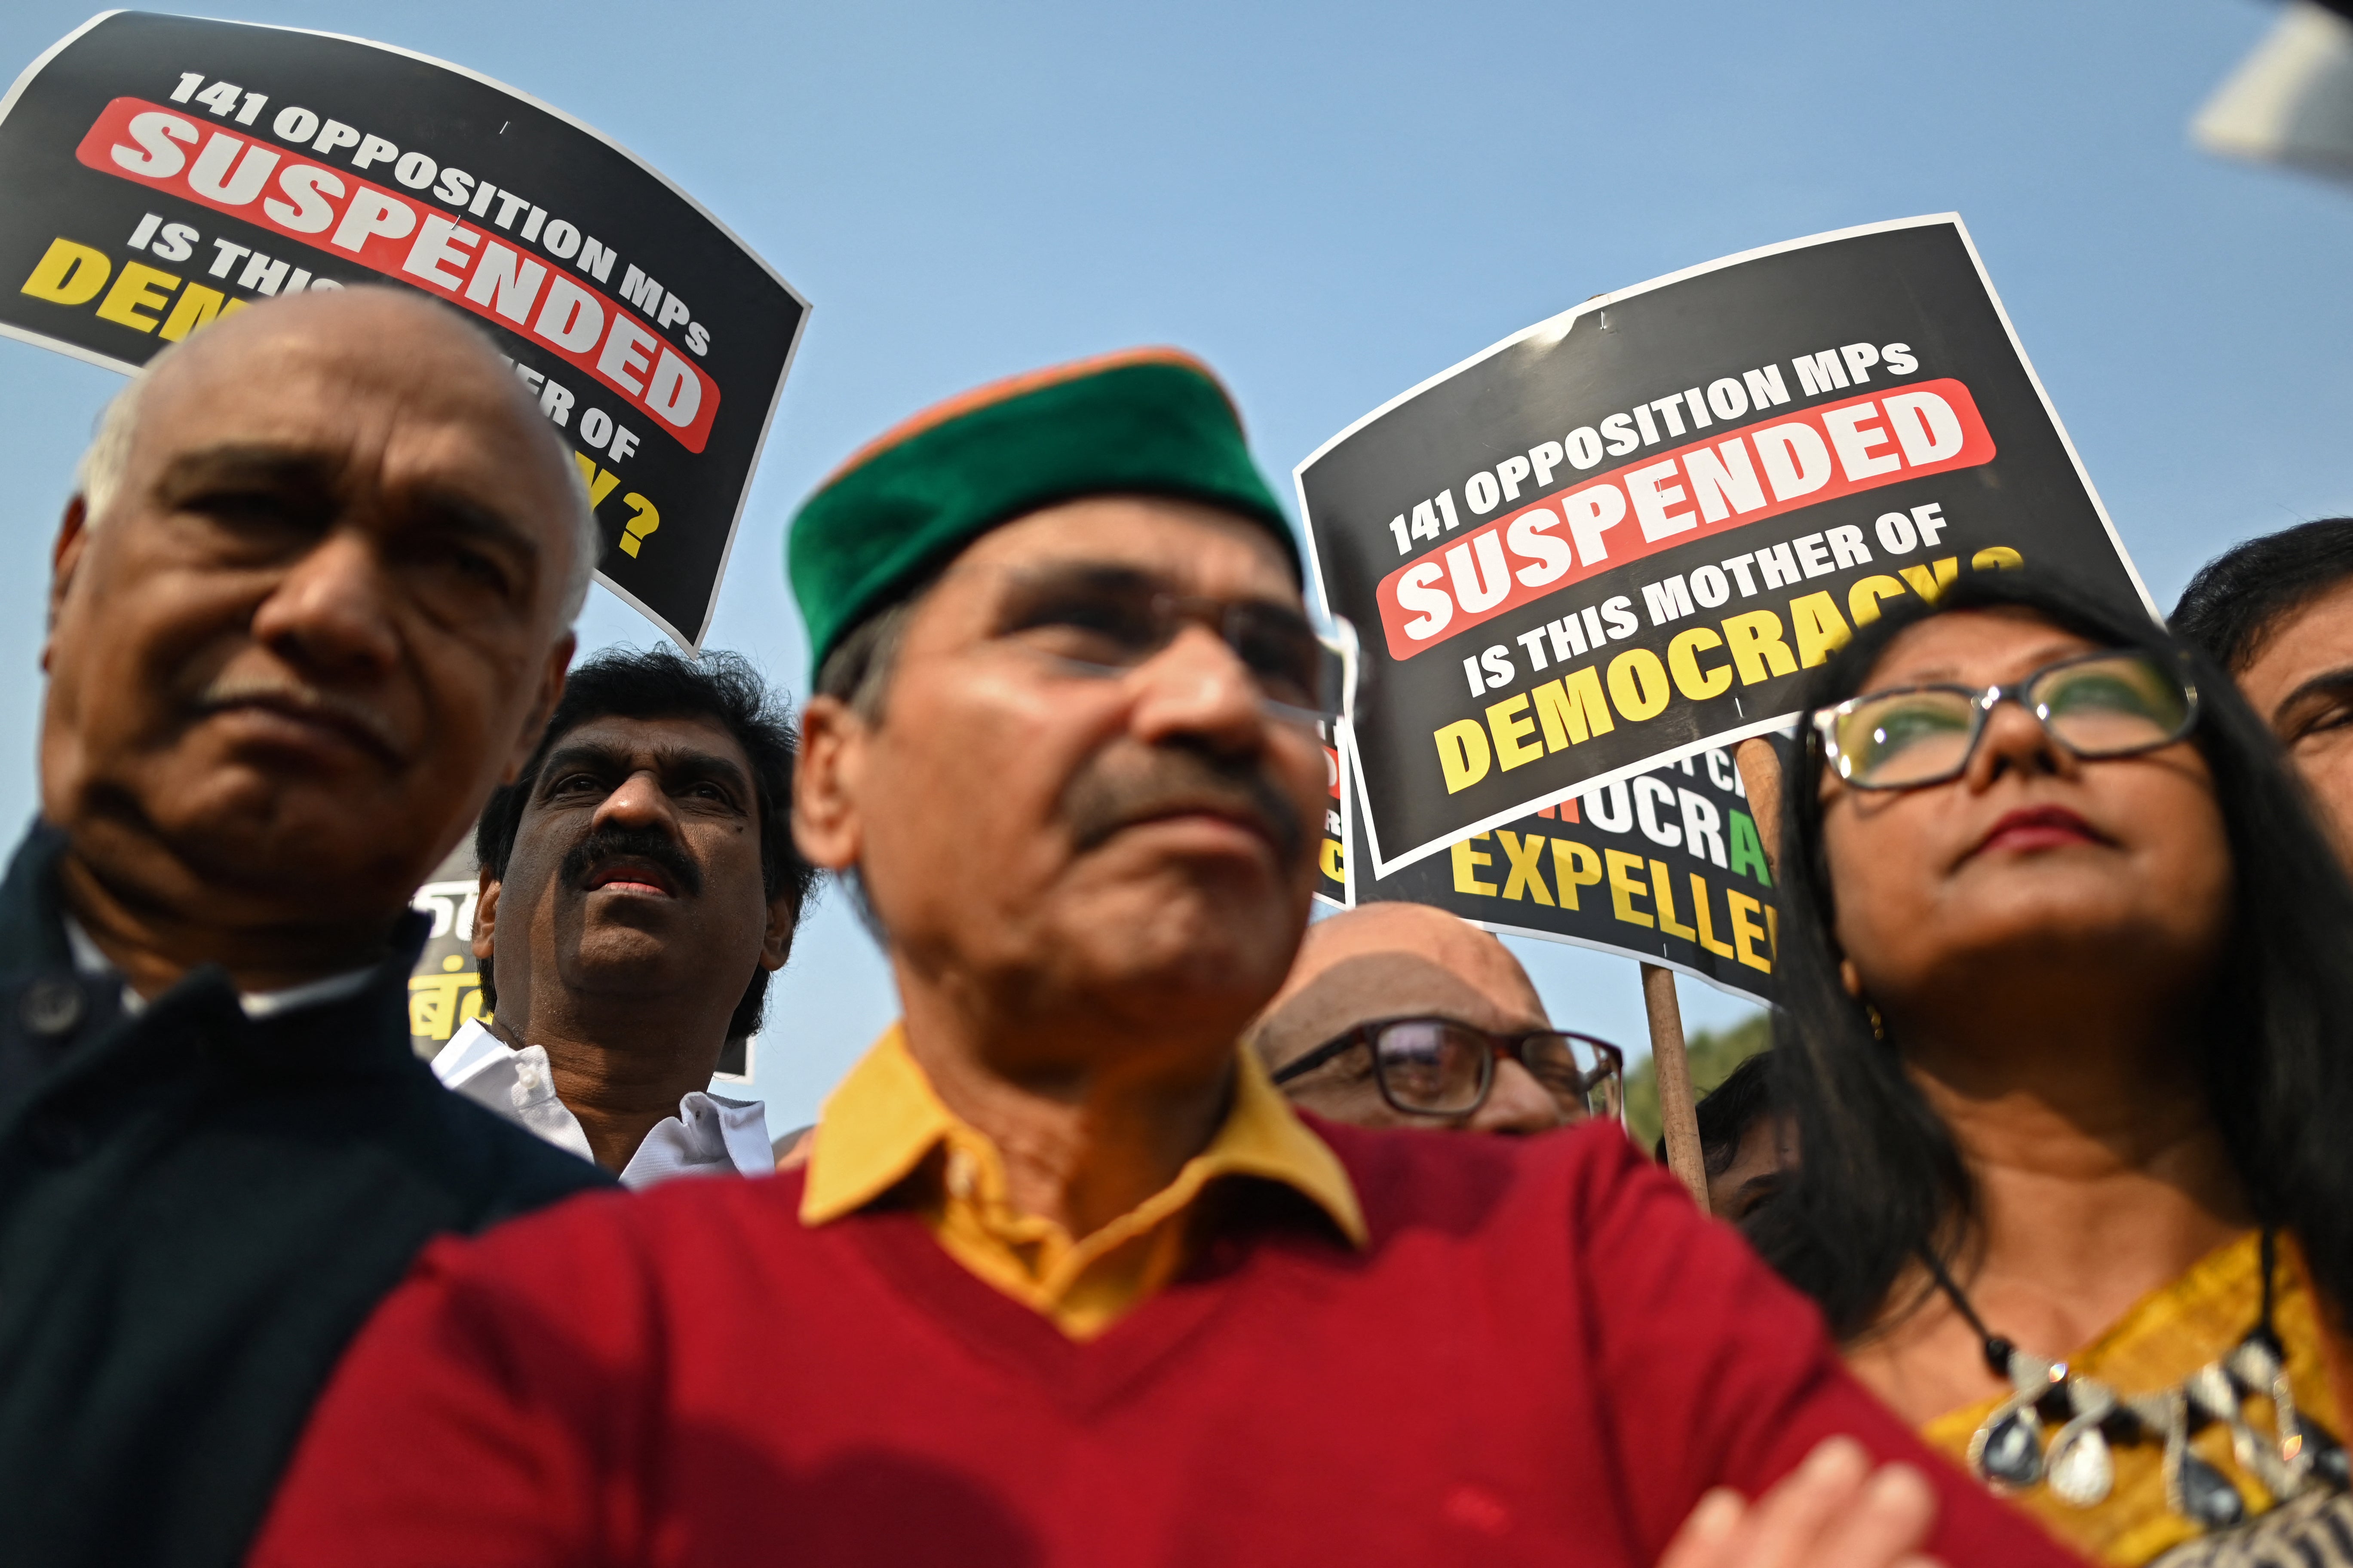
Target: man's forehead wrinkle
(234, 461)
(668, 759)
(616, 738)
(409, 355)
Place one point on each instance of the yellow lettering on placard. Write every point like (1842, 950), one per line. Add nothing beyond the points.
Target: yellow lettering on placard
(1758, 650)
(195, 307)
(1996, 557)
(1821, 631)
(1625, 888)
(600, 481)
(1525, 855)
(68, 274)
(1929, 587)
(1745, 931)
(136, 289)
(1467, 862)
(440, 1004)
(1574, 866)
(1637, 684)
(1463, 755)
(1662, 894)
(1331, 863)
(1513, 728)
(1682, 663)
(644, 517)
(1572, 710)
(1863, 599)
(1707, 938)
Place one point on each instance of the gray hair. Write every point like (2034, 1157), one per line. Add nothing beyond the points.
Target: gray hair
(857, 674)
(98, 478)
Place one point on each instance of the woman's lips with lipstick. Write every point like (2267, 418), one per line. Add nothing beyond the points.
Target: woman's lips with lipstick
(2038, 827)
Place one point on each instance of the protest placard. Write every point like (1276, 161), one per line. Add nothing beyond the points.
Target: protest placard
(1625, 532)
(160, 172)
(1666, 868)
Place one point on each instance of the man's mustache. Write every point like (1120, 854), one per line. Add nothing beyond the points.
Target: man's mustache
(650, 844)
(1111, 794)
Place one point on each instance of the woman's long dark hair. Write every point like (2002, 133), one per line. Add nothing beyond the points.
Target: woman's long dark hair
(1880, 1179)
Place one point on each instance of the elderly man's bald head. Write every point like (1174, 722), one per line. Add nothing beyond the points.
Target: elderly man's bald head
(1394, 960)
(301, 321)
(312, 607)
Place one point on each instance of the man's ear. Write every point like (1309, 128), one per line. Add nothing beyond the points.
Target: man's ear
(486, 918)
(776, 942)
(73, 538)
(551, 689)
(828, 823)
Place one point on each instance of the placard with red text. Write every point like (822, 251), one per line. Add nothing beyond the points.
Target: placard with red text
(160, 173)
(1629, 530)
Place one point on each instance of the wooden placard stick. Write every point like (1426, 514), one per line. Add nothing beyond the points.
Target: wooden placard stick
(1760, 776)
(1678, 1107)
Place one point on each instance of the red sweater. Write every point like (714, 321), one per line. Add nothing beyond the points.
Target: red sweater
(1545, 1355)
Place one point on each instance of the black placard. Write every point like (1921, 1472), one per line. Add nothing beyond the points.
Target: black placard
(1666, 868)
(1623, 534)
(159, 171)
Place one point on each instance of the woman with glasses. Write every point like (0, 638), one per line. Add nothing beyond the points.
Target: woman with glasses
(2069, 1040)
(1404, 1016)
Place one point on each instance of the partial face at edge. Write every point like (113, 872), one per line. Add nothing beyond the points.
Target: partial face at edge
(2301, 683)
(321, 619)
(1139, 843)
(2033, 865)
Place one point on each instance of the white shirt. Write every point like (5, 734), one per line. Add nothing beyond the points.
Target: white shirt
(93, 963)
(708, 1137)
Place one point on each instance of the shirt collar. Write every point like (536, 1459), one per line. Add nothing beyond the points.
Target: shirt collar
(885, 1118)
(709, 1136)
(90, 961)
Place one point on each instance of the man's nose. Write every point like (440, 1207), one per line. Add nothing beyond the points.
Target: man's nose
(1199, 687)
(637, 802)
(331, 613)
(1517, 1102)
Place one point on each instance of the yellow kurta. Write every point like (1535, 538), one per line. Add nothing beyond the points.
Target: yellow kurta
(2165, 1336)
(880, 1128)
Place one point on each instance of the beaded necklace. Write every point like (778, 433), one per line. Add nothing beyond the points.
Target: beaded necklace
(2008, 1452)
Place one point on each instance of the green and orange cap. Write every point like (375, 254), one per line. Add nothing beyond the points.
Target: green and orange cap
(1153, 422)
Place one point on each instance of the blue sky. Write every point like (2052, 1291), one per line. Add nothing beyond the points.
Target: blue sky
(1332, 202)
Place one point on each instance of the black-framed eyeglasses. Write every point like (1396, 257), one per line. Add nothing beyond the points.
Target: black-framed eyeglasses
(2096, 705)
(1107, 620)
(1443, 1067)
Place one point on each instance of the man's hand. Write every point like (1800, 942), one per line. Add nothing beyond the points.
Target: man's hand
(1832, 1511)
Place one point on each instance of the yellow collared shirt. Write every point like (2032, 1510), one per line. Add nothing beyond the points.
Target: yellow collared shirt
(880, 1126)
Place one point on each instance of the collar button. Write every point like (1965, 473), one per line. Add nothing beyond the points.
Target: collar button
(50, 1007)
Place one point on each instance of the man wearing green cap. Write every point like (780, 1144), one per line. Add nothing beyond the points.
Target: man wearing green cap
(1064, 1280)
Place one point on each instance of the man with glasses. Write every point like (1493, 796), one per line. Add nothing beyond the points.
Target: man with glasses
(1064, 1278)
(1401, 1014)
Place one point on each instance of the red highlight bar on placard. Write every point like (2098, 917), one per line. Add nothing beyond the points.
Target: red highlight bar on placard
(1760, 471)
(335, 212)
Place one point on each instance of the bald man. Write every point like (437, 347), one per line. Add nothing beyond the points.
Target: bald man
(1398, 1015)
(311, 603)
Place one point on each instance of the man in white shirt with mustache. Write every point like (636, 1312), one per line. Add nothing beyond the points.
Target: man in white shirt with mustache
(642, 874)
